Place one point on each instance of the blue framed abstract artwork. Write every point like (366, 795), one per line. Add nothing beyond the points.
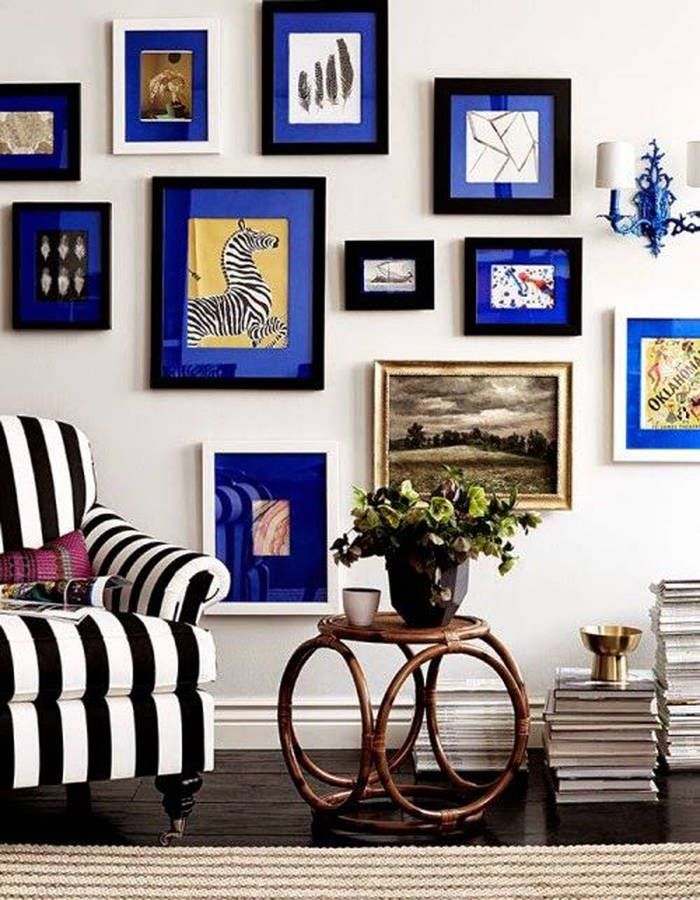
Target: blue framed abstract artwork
(325, 76)
(166, 87)
(238, 283)
(269, 515)
(522, 286)
(61, 265)
(40, 132)
(502, 146)
(657, 386)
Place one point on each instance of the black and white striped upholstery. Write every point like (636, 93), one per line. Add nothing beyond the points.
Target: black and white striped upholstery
(118, 694)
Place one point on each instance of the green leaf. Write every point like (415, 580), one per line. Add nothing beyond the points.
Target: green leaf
(506, 565)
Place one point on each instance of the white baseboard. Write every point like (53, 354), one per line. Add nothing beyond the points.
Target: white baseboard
(324, 723)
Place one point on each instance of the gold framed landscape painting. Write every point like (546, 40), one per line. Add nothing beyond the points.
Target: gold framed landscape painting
(508, 425)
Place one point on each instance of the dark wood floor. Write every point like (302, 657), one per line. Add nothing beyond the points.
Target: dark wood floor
(249, 800)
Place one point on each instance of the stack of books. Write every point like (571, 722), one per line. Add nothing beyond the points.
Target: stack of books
(676, 622)
(600, 738)
(475, 721)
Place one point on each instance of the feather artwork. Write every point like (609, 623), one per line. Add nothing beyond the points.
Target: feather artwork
(347, 72)
(332, 80)
(304, 91)
(318, 91)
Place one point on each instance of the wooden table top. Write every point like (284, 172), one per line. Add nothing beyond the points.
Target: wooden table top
(390, 628)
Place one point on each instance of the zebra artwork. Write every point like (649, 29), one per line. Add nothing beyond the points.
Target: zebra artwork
(246, 304)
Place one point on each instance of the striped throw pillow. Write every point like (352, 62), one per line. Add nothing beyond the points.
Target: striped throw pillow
(64, 558)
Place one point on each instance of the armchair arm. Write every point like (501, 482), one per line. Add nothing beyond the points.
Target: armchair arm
(166, 581)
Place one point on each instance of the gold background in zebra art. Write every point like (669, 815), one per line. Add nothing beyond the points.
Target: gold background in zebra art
(206, 239)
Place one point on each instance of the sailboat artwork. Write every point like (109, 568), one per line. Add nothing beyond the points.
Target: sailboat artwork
(389, 275)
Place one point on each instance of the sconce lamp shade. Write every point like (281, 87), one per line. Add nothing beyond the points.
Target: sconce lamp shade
(615, 165)
(693, 176)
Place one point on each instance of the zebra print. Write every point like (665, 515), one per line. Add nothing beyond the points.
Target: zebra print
(246, 304)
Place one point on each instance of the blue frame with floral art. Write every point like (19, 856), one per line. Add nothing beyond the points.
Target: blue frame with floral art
(365, 18)
(268, 516)
(31, 223)
(463, 184)
(60, 162)
(523, 286)
(298, 201)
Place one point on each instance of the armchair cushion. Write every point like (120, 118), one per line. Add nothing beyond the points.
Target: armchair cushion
(102, 655)
(165, 580)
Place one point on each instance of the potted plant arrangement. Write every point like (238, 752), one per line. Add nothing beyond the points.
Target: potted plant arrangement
(428, 540)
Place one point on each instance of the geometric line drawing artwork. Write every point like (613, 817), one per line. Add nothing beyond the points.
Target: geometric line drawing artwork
(271, 523)
(26, 133)
(502, 146)
(325, 78)
(389, 275)
(522, 287)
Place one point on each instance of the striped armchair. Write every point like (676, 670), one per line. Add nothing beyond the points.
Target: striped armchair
(120, 693)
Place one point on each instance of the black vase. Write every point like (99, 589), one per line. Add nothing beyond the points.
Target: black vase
(412, 595)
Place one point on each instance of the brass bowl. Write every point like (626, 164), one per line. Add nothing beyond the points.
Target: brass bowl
(610, 645)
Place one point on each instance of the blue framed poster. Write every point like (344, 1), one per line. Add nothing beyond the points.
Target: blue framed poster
(40, 132)
(522, 286)
(61, 265)
(238, 282)
(502, 146)
(269, 513)
(166, 88)
(325, 76)
(657, 386)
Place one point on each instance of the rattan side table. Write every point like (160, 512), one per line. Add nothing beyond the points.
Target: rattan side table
(461, 802)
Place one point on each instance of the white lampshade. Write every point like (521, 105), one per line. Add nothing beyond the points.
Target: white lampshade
(615, 165)
(693, 171)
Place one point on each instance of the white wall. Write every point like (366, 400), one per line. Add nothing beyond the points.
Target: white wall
(634, 77)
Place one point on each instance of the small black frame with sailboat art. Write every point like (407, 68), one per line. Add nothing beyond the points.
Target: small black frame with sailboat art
(389, 275)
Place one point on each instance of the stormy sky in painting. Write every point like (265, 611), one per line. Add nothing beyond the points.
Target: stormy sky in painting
(499, 404)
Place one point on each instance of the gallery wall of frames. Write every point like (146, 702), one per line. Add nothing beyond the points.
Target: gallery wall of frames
(276, 250)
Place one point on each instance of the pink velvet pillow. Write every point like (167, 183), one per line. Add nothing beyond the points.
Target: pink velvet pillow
(66, 557)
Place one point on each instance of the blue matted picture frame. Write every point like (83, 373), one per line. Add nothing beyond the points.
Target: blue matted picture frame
(657, 385)
(238, 277)
(54, 151)
(166, 86)
(61, 266)
(523, 286)
(502, 146)
(269, 514)
(325, 76)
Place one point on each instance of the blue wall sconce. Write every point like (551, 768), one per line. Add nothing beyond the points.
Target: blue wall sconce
(615, 169)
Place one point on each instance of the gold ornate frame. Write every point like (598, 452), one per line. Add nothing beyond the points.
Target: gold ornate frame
(384, 371)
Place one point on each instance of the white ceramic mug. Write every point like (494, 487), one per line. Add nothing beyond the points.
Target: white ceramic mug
(361, 605)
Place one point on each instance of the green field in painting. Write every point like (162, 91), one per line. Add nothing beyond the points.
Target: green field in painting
(497, 471)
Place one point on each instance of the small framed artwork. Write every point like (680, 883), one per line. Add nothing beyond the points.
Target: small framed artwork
(270, 513)
(167, 84)
(508, 425)
(657, 385)
(522, 286)
(325, 76)
(388, 275)
(61, 274)
(502, 146)
(40, 132)
(238, 274)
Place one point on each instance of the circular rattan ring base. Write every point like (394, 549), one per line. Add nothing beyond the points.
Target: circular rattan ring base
(457, 805)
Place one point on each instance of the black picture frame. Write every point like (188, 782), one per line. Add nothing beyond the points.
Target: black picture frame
(573, 248)
(423, 295)
(272, 146)
(447, 88)
(102, 321)
(71, 170)
(315, 378)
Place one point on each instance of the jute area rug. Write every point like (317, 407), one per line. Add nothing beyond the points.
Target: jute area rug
(649, 872)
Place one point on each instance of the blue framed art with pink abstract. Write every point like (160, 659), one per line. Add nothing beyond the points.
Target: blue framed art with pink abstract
(502, 146)
(523, 286)
(268, 513)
